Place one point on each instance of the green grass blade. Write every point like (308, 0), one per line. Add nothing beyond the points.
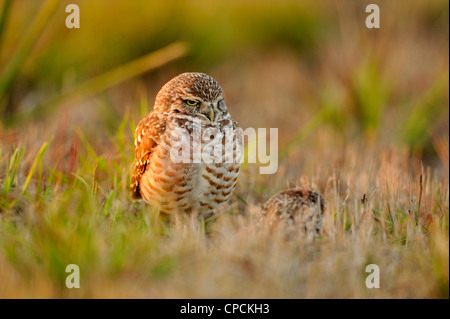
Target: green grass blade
(25, 47)
(11, 170)
(35, 165)
(36, 162)
(3, 19)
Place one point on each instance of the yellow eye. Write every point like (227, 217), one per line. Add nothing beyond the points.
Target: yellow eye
(191, 103)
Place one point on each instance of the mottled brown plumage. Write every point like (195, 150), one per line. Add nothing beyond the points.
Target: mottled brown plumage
(188, 103)
(301, 211)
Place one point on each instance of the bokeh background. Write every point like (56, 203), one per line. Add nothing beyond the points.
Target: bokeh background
(345, 99)
(282, 64)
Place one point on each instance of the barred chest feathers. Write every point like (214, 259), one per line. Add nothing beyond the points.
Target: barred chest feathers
(198, 174)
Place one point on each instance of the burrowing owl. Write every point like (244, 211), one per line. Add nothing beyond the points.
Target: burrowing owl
(300, 210)
(190, 115)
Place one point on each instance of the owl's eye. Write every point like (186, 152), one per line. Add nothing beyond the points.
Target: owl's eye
(191, 102)
(222, 106)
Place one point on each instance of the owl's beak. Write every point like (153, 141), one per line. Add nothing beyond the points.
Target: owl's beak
(209, 112)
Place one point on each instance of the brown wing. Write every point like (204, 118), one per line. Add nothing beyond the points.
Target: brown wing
(147, 136)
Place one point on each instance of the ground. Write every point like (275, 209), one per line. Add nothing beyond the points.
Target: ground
(362, 118)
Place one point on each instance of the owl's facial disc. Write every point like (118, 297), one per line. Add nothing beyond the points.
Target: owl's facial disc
(208, 110)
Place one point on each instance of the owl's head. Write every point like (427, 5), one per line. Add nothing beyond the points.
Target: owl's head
(195, 94)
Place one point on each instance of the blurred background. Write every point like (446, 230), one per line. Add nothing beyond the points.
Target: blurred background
(312, 69)
(362, 116)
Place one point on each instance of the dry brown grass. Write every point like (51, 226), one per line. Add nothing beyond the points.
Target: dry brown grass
(362, 119)
(239, 260)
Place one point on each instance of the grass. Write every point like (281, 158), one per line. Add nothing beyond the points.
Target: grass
(361, 118)
(14, 66)
(125, 250)
(108, 79)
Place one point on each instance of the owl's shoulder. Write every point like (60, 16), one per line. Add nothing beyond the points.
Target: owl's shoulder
(151, 128)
